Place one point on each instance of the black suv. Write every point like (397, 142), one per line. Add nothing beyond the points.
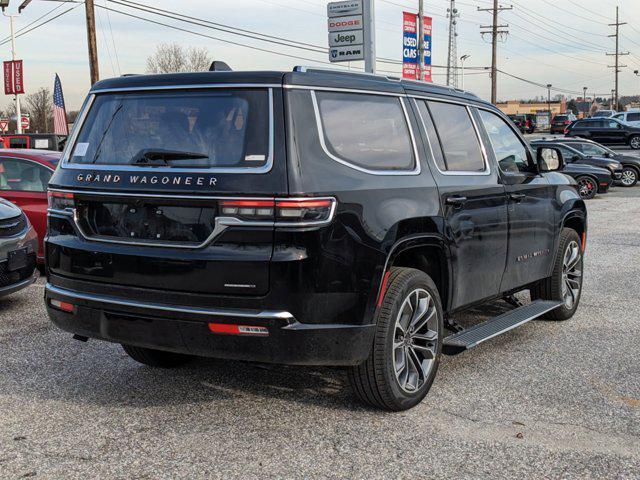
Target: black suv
(561, 121)
(630, 164)
(608, 131)
(305, 217)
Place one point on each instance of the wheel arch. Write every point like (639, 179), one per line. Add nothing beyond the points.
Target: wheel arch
(427, 253)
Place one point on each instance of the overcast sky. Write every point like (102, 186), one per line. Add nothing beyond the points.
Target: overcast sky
(558, 42)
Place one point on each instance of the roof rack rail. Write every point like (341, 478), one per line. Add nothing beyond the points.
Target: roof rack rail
(306, 69)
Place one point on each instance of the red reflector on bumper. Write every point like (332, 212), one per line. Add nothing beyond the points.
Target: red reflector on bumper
(64, 306)
(231, 329)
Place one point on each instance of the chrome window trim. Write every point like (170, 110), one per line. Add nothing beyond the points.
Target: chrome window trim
(186, 87)
(342, 90)
(316, 110)
(65, 164)
(483, 151)
(269, 314)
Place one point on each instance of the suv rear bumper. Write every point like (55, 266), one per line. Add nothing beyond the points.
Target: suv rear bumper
(185, 329)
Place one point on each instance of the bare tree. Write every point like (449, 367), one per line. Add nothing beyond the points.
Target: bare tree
(172, 57)
(38, 105)
(9, 112)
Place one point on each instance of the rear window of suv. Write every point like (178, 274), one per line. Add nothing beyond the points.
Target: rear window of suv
(199, 129)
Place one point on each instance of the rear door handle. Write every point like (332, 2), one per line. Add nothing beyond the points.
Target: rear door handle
(517, 197)
(456, 201)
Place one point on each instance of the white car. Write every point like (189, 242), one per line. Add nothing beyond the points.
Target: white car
(632, 117)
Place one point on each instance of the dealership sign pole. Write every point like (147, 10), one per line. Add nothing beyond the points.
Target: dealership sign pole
(13, 79)
(351, 32)
(410, 52)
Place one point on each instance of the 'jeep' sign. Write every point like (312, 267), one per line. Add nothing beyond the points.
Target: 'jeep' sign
(350, 37)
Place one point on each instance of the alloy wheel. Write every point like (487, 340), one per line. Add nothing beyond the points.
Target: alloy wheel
(415, 340)
(635, 142)
(628, 178)
(586, 187)
(571, 275)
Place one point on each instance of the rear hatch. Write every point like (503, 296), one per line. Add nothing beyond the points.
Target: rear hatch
(171, 188)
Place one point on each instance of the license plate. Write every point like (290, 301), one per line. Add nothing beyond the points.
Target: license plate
(17, 259)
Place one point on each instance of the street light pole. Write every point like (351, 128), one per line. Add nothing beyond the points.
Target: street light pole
(421, 40)
(462, 59)
(549, 102)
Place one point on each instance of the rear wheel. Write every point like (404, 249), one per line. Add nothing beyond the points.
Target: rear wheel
(156, 358)
(629, 177)
(565, 284)
(408, 340)
(634, 142)
(587, 187)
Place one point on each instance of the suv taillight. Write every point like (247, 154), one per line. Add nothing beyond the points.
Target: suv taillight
(284, 211)
(60, 200)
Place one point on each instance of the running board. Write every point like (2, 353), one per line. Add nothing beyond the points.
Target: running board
(474, 336)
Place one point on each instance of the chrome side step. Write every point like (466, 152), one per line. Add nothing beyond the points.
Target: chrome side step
(474, 336)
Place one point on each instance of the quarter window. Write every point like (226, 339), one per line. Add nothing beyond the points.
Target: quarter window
(369, 131)
(633, 117)
(460, 144)
(510, 152)
(22, 175)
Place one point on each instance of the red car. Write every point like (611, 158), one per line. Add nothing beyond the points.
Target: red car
(24, 176)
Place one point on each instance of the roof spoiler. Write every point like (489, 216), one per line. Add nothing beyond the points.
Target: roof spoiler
(218, 66)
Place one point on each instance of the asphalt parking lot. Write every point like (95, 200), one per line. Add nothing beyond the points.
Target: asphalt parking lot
(548, 400)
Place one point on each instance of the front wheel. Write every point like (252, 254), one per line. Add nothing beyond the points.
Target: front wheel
(587, 187)
(408, 341)
(629, 177)
(565, 283)
(634, 142)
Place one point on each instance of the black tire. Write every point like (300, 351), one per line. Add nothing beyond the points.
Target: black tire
(375, 381)
(587, 187)
(552, 288)
(156, 358)
(629, 177)
(634, 142)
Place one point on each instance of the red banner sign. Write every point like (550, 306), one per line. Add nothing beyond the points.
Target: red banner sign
(410, 51)
(8, 78)
(13, 77)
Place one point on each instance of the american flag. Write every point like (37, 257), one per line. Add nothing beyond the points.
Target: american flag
(59, 112)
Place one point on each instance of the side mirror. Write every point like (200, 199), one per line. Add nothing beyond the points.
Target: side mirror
(549, 159)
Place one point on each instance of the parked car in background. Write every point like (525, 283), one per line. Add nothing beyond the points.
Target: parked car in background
(632, 117)
(519, 121)
(24, 176)
(590, 180)
(561, 121)
(18, 246)
(608, 131)
(572, 155)
(531, 123)
(40, 141)
(630, 164)
(603, 114)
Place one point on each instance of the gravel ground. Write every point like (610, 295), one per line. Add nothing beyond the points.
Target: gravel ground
(547, 400)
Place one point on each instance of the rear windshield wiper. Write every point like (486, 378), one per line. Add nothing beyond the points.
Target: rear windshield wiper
(158, 157)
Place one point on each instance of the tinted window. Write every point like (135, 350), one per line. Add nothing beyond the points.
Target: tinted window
(510, 152)
(560, 118)
(227, 128)
(18, 142)
(567, 153)
(633, 117)
(23, 175)
(611, 124)
(588, 148)
(619, 116)
(369, 131)
(458, 138)
(432, 136)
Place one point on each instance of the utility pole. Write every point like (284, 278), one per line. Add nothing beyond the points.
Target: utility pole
(584, 100)
(421, 40)
(617, 54)
(495, 30)
(462, 60)
(91, 41)
(549, 102)
(452, 59)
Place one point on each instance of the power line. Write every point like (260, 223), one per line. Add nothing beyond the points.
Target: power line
(496, 30)
(42, 24)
